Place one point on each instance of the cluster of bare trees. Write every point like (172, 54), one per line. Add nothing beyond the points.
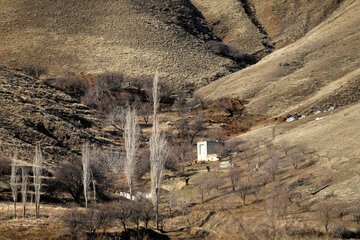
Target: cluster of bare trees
(37, 180)
(98, 218)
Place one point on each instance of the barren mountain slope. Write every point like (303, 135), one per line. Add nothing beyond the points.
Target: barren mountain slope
(255, 25)
(318, 71)
(33, 112)
(135, 37)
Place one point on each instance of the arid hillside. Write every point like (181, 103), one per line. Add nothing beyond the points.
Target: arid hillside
(33, 112)
(138, 37)
(316, 72)
(133, 37)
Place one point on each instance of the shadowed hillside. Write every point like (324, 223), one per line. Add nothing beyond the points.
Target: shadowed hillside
(134, 37)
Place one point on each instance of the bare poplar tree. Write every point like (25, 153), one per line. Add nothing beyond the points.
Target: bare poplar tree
(37, 171)
(158, 152)
(13, 181)
(131, 137)
(24, 182)
(93, 186)
(85, 159)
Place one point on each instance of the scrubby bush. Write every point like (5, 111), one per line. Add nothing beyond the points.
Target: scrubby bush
(5, 165)
(34, 70)
(230, 51)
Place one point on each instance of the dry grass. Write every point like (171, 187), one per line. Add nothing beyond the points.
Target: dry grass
(122, 36)
(305, 75)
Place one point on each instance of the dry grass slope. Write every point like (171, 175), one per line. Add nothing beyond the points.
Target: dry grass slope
(302, 75)
(134, 37)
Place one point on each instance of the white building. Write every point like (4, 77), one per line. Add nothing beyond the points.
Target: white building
(208, 150)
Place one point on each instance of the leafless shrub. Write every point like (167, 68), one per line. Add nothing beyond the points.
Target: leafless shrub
(34, 70)
(341, 209)
(116, 118)
(232, 52)
(180, 104)
(95, 218)
(91, 220)
(196, 101)
(304, 232)
(73, 221)
(145, 111)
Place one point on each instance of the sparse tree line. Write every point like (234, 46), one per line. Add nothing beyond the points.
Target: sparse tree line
(89, 179)
(20, 181)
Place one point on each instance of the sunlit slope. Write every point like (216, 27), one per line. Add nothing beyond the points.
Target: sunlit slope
(317, 71)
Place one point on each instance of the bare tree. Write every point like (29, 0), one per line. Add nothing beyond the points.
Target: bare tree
(24, 182)
(184, 153)
(85, 159)
(243, 189)
(355, 212)
(123, 212)
(37, 171)
(197, 125)
(147, 213)
(271, 168)
(131, 138)
(158, 152)
(234, 175)
(93, 186)
(116, 118)
(295, 158)
(13, 181)
(325, 211)
(201, 185)
(145, 111)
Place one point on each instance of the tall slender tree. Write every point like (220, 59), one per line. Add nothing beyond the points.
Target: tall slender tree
(158, 151)
(37, 171)
(131, 137)
(24, 182)
(13, 181)
(85, 159)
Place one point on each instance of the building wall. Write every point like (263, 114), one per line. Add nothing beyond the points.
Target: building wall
(206, 151)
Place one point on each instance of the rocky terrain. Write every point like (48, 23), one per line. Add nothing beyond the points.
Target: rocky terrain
(32, 112)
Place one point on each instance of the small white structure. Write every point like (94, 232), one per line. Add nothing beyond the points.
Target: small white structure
(208, 150)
